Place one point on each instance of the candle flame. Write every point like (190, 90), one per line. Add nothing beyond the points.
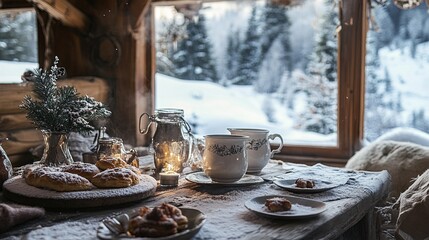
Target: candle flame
(169, 168)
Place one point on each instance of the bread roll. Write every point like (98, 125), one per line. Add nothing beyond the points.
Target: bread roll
(53, 179)
(115, 178)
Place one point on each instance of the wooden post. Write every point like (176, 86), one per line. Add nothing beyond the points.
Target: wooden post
(115, 49)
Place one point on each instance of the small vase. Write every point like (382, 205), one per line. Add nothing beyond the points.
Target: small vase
(56, 150)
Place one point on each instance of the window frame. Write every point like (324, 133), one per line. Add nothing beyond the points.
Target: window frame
(351, 88)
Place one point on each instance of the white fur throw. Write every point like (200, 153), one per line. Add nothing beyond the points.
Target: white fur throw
(414, 210)
(404, 161)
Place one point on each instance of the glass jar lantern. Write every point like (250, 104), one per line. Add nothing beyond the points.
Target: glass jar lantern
(171, 141)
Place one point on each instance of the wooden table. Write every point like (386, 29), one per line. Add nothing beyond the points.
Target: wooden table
(349, 213)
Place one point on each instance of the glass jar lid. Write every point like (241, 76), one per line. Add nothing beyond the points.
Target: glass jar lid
(173, 114)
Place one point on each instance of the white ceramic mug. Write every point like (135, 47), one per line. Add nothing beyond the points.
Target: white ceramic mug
(259, 151)
(225, 157)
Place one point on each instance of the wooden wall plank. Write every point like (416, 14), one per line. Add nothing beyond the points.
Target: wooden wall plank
(10, 122)
(11, 95)
(13, 147)
(21, 159)
(26, 136)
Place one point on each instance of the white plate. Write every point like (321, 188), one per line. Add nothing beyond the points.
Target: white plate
(319, 186)
(202, 178)
(301, 207)
(195, 217)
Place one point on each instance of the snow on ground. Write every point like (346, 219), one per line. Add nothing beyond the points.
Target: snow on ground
(215, 108)
(10, 72)
(404, 134)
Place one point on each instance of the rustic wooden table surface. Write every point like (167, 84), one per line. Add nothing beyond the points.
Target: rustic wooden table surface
(349, 214)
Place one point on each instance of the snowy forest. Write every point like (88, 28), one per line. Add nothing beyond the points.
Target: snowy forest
(18, 36)
(392, 95)
(255, 64)
(273, 51)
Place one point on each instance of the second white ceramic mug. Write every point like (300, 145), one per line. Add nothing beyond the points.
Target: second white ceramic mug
(259, 150)
(225, 157)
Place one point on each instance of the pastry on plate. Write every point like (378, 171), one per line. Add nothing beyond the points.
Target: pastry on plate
(278, 204)
(161, 221)
(303, 183)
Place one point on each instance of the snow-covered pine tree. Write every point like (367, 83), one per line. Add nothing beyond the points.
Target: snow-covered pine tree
(384, 28)
(271, 69)
(381, 106)
(276, 25)
(232, 56)
(193, 58)
(321, 114)
(249, 52)
(166, 43)
(415, 29)
(372, 122)
(419, 120)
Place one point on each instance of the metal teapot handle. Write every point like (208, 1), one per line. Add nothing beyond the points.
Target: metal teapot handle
(151, 120)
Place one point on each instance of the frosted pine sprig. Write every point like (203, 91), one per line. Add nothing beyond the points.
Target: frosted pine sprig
(60, 109)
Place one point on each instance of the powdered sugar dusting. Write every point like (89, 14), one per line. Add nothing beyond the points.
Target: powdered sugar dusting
(63, 177)
(80, 167)
(116, 173)
(18, 186)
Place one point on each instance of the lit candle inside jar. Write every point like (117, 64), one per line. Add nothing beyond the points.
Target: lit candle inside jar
(169, 178)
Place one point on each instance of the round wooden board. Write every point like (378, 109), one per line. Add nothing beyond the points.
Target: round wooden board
(17, 190)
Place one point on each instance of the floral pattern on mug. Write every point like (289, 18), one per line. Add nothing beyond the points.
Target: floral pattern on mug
(255, 144)
(224, 150)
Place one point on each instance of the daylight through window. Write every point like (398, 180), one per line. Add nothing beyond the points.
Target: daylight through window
(250, 64)
(397, 59)
(18, 44)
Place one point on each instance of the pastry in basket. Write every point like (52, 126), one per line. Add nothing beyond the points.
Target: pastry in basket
(86, 170)
(110, 162)
(160, 221)
(115, 178)
(54, 179)
(278, 204)
(303, 183)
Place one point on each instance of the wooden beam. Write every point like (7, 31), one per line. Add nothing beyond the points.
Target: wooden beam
(11, 4)
(65, 13)
(137, 11)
